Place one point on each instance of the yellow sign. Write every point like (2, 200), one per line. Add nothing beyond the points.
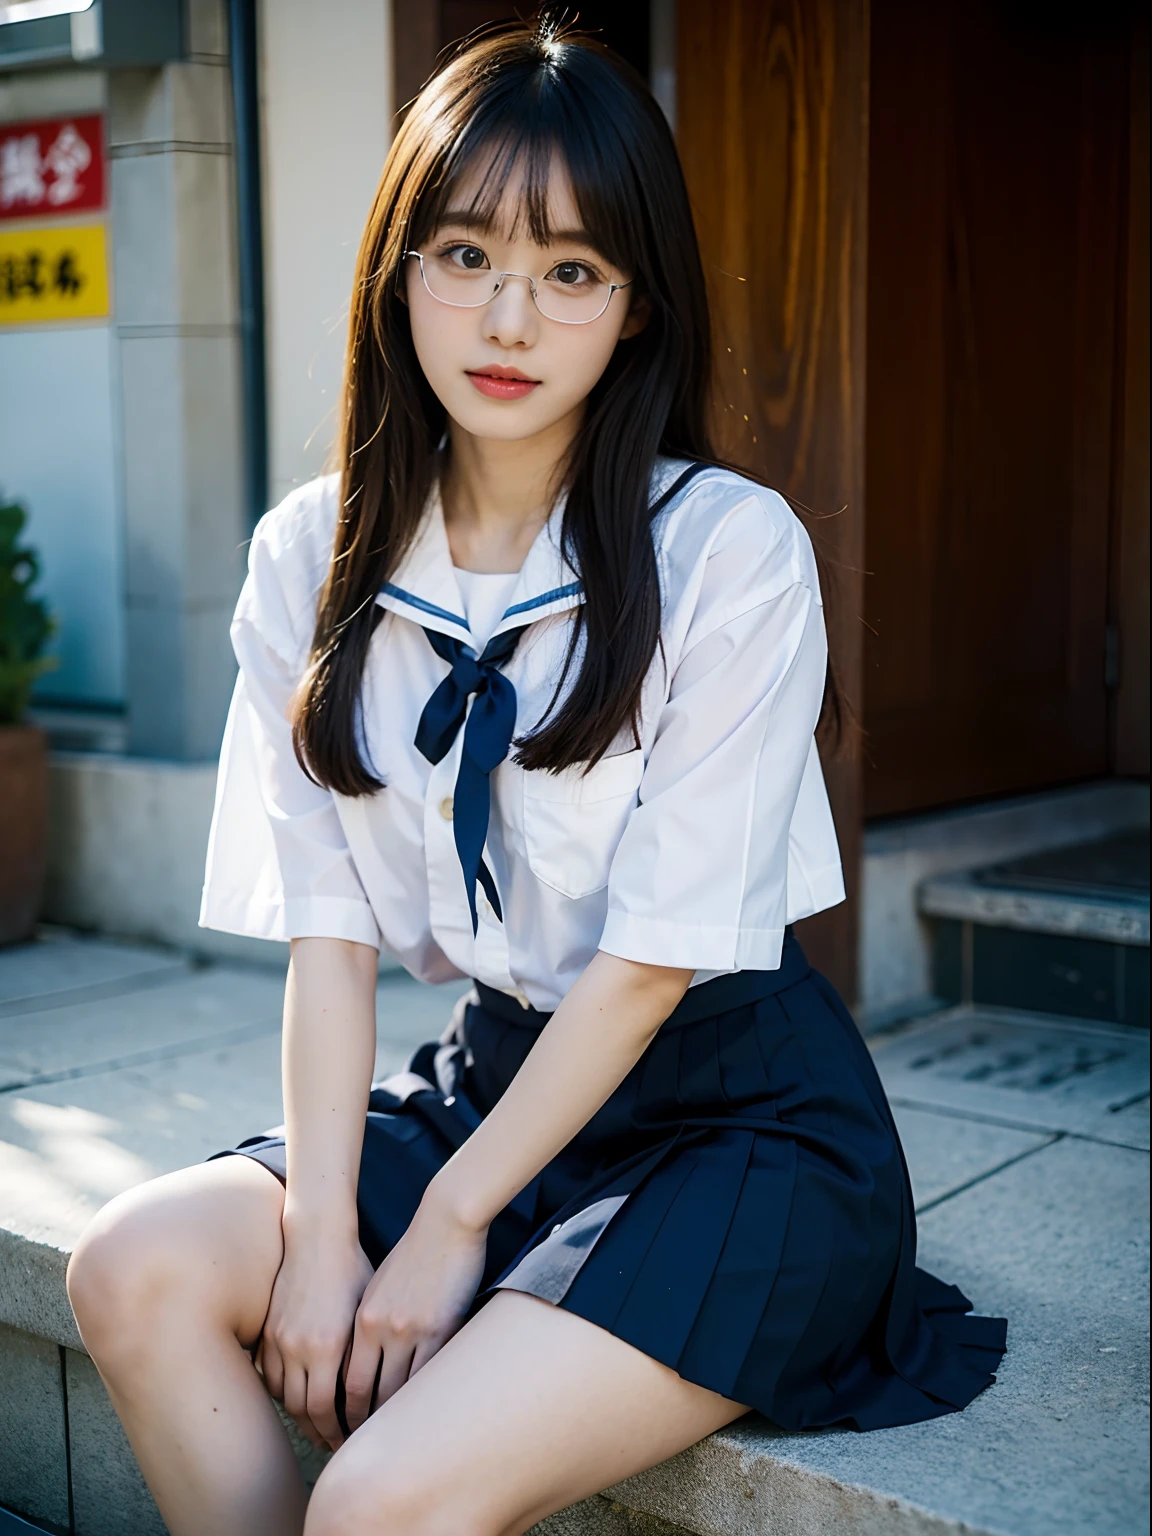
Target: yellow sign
(58, 273)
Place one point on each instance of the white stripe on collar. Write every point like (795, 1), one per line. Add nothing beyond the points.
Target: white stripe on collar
(424, 587)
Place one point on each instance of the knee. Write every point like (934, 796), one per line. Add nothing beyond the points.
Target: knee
(371, 1493)
(120, 1269)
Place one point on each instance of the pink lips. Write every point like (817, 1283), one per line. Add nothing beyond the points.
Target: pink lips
(503, 383)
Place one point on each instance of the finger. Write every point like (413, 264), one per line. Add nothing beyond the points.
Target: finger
(322, 1406)
(360, 1377)
(395, 1370)
(341, 1394)
(306, 1427)
(273, 1364)
(295, 1397)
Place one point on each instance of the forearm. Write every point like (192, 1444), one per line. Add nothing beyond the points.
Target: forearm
(588, 1047)
(328, 1056)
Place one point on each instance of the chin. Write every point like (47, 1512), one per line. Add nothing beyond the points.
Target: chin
(503, 423)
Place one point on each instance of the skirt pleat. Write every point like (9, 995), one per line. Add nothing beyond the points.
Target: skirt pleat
(667, 1288)
(727, 1324)
(739, 1209)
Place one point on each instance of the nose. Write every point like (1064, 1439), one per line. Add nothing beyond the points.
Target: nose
(511, 317)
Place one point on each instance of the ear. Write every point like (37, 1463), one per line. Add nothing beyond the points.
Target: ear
(638, 317)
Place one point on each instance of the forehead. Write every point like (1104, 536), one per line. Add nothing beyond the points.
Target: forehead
(512, 198)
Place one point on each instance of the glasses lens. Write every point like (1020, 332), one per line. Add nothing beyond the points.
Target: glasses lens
(569, 292)
(449, 279)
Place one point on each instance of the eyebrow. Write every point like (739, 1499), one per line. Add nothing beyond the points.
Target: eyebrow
(468, 220)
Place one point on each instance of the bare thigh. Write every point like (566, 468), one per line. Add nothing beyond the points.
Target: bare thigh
(526, 1410)
(208, 1237)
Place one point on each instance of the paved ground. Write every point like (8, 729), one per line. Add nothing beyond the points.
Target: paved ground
(1027, 1141)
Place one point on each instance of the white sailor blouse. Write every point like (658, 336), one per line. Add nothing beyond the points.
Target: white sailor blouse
(693, 848)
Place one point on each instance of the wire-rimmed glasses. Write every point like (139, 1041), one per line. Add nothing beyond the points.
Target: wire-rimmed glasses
(571, 302)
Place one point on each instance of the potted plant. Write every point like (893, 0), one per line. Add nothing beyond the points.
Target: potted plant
(25, 628)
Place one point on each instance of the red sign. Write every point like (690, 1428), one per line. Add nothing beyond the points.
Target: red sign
(54, 165)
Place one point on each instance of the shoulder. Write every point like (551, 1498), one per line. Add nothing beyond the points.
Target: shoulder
(300, 529)
(725, 529)
(288, 559)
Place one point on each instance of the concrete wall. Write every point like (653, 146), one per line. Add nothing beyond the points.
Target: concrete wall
(326, 110)
(177, 309)
(127, 840)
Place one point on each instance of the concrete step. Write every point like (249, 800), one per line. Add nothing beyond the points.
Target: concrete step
(1064, 930)
(1026, 1139)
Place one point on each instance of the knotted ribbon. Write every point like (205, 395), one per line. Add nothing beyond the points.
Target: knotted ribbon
(488, 732)
(487, 737)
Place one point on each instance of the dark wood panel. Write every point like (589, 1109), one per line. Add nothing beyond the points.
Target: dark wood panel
(995, 166)
(421, 28)
(1130, 578)
(772, 115)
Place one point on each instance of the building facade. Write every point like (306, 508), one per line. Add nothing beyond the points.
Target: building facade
(926, 233)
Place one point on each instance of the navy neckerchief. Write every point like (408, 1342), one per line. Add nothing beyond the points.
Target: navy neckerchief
(487, 737)
(491, 723)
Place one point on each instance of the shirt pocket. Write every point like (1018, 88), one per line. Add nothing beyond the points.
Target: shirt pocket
(574, 820)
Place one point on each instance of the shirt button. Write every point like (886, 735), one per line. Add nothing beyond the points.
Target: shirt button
(446, 807)
(555, 1229)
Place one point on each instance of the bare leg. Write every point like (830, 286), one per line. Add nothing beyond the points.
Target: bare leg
(170, 1286)
(526, 1410)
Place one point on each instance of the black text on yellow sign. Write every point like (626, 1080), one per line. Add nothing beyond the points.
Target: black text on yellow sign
(53, 274)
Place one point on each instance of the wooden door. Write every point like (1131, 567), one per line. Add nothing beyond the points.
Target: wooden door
(422, 28)
(996, 170)
(772, 125)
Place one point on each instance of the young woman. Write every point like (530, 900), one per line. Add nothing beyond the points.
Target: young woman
(527, 693)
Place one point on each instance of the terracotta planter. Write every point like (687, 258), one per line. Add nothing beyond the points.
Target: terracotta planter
(23, 828)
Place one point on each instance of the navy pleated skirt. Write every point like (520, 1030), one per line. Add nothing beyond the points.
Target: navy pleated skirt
(739, 1209)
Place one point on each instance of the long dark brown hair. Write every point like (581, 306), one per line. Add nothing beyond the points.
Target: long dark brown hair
(516, 97)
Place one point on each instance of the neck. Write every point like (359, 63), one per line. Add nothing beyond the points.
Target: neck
(497, 495)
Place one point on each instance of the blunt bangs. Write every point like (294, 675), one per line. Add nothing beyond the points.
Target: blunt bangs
(541, 111)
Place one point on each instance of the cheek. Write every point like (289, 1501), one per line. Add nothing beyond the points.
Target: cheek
(581, 358)
(435, 333)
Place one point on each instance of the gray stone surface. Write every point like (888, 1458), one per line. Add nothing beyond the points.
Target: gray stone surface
(1051, 1074)
(895, 942)
(32, 1293)
(33, 1451)
(60, 967)
(945, 1153)
(1057, 1242)
(197, 1008)
(126, 843)
(604, 1517)
(1130, 1126)
(199, 1054)
(1115, 921)
(1045, 1227)
(109, 1495)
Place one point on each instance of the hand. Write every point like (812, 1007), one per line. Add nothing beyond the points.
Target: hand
(309, 1323)
(413, 1305)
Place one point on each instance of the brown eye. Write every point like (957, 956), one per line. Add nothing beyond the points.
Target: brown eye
(569, 272)
(472, 257)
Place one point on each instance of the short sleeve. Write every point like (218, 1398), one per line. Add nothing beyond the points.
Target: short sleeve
(278, 864)
(733, 837)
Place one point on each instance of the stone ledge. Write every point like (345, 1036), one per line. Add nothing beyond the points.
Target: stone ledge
(1016, 1206)
(745, 1481)
(963, 897)
(33, 1297)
